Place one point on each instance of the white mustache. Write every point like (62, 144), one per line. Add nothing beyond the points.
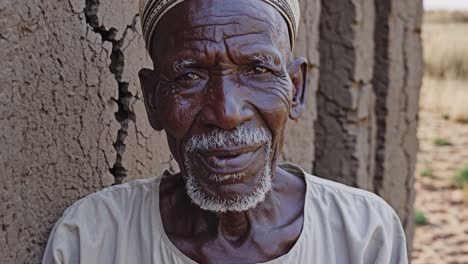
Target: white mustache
(238, 137)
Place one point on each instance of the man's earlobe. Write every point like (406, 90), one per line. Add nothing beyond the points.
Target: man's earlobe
(149, 82)
(298, 73)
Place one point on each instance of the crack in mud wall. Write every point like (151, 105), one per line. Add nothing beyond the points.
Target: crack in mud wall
(72, 120)
(125, 100)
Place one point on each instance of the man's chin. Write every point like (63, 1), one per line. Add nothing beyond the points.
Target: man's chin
(229, 197)
(228, 170)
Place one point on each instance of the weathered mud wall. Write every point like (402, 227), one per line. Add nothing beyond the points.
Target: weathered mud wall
(396, 82)
(367, 100)
(72, 120)
(299, 139)
(345, 126)
(71, 116)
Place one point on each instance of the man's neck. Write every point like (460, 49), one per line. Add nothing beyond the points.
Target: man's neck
(243, 233)
(234, 226)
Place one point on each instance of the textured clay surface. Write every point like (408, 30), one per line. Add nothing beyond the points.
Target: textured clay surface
(398, 71)
(72, 119)
(345, 127)
(71, 116)
(299, 138)
(367, 100)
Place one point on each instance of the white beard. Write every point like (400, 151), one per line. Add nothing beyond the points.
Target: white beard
(240, 136)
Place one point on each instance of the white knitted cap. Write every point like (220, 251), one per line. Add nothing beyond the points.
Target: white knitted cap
(151, 12)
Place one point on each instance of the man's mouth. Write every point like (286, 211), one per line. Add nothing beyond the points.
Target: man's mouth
(228, 160)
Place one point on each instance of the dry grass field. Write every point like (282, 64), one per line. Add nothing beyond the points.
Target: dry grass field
(441, 183)
(445, 86)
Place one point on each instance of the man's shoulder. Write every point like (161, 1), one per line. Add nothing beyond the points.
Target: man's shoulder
(113, 199)
(351, 223)
(352, 205)
(105, 218)
(336, 193)
(351, 193)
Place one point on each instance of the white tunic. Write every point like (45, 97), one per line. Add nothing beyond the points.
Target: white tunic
(122, 225)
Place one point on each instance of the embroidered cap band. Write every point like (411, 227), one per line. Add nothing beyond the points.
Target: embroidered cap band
(151, 12)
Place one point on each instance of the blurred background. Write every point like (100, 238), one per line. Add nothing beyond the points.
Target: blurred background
(441, 205)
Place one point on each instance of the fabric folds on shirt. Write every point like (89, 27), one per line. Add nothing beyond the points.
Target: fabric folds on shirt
(122, 224)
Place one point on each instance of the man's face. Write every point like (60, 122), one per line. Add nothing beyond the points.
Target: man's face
(223, 93)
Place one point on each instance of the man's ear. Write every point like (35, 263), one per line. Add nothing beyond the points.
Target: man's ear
(298, 73)
(149, 82)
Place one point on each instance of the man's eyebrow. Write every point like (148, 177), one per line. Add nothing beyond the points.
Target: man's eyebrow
(265, 59)
(180, 64)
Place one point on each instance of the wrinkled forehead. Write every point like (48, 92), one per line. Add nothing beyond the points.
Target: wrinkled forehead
(239, 24)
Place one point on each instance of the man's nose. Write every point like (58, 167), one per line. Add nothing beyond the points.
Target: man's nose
(227, 107)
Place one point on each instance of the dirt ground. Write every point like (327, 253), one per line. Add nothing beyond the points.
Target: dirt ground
(444, 238)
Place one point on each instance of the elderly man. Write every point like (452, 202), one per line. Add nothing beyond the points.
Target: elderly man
(223, 86)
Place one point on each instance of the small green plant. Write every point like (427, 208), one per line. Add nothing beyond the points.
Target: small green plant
(460, 179)
(441, 142)
(419, 217)
(427, 173)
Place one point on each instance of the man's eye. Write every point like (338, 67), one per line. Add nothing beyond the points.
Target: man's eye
(190, 76)
(257, 70)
